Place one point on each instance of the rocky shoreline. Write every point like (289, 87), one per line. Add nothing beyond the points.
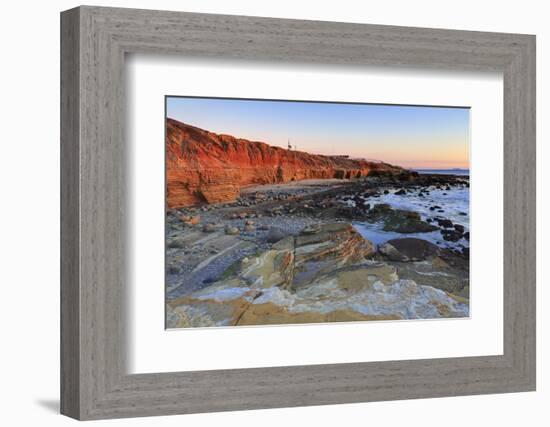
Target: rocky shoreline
(298, 253)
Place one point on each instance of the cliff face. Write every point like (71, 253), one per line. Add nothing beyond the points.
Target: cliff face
(204, 167)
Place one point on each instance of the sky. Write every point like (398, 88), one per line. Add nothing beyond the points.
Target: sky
(415, 137)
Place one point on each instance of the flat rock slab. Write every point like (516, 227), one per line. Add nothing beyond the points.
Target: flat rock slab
(313, 277)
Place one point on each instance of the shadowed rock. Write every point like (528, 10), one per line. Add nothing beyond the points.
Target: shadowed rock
(275, 234)
(409, 249)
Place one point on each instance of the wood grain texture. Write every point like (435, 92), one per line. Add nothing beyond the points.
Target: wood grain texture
(95, 383)
(70, 292)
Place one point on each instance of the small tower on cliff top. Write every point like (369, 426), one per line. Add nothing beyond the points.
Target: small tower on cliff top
(288, 145)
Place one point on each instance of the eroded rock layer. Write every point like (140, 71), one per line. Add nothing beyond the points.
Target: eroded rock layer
(204, 167)
(327, 273)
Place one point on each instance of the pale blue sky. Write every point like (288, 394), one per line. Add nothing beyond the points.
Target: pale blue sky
(410, 136)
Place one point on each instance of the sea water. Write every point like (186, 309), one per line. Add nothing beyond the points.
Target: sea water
(455, 203)
(461, 172)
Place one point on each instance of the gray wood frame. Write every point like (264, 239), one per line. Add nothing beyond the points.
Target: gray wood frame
(94, 41)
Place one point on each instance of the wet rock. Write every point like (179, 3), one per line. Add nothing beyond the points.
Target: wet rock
(249, 228)
(380, 210)
(451, 235)
(409, 249)
(459, 228)
(445, 223)
(400, 192)
(398, 220)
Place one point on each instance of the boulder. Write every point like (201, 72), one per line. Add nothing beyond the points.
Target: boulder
(398, 220)
(445, 223)
(275, 234)
(409, 249)
(176, 243)
(174, 269)
(210, 228)
(191, 220)
(232, 231)
(451, 235)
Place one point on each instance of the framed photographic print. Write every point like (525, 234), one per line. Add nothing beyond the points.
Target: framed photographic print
(292, 213)
(261, 234)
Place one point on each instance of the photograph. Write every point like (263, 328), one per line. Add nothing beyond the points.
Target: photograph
(292, 212)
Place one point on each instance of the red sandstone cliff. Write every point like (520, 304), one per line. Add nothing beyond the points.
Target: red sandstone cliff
(204, 167)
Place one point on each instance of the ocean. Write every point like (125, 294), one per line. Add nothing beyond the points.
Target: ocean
(464, 172)
(455, 203)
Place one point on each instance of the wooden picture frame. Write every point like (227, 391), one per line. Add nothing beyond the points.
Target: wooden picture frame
(94, 41)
